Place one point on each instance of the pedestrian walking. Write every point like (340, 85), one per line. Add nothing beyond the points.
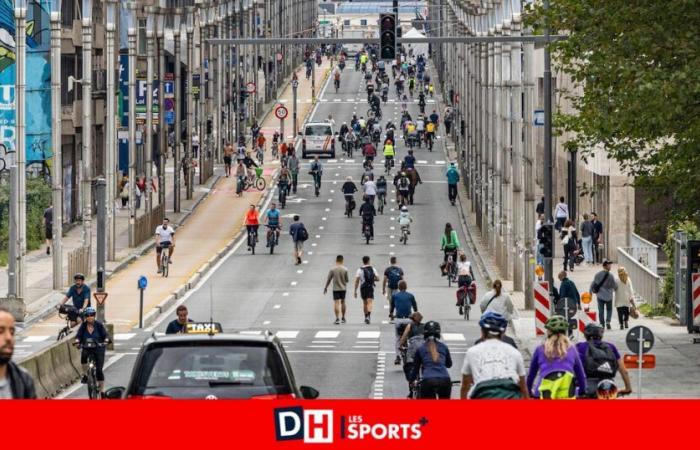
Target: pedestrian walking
(401, 305)
(365, 279)
(299, 235)
(392, 276)
(293, 166)
(498, 301)
(48, 228)
(597, 238)
(124, 191)
(538, 246)
(539, 210)
(604, 286)
(568, 289)
(338, 276)
(452, 175)
(587, 232)
(228, 158)
(448, 120)
(140, 188)
(15, 382)
(195, 143)
(561, 213)
(624, 297)
(568, 241)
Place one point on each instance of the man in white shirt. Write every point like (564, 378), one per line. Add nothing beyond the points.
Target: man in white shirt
(165, 238)
(561, 213)
(492, 368)
(370, 189)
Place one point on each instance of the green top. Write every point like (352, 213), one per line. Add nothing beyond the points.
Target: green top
(453, 242)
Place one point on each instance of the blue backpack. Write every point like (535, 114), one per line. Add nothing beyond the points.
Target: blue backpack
(394, 276)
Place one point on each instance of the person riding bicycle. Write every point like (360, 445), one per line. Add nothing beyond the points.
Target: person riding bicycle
(370, 91)
(78, 294)
(252, 222)
(492, 368)
(435, 118)
(273, 222)
(92, 331)
(431, 362)
(429, 132)
(353, 122)
(405, 219)
(390, 128)
(317, 171)
(449, 244)
(165, 238)
(368, 212)
(409, 161)
(349, 188)
(369, 151)
(401, 305)
(350, 140)
(411, 340)
(403, 188)
(284, 182)
(336, 79)
(601, 360)
(420, 128)
(389, 153)
(369, 188)
(452, 175)
(376, 103)
(556, 371)
(381, 187)
(465, 274)
(385, 90)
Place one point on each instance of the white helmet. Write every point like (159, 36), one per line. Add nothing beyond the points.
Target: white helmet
(404, 208)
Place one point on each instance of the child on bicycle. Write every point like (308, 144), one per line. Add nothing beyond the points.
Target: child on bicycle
(405, 219)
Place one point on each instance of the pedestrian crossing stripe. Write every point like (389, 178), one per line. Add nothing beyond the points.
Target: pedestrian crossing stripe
(327, 334)
(453, 337)
(287, 334)
(35, 338)
(123, 336)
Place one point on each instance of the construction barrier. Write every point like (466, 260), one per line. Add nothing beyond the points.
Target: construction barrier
(585, 318)
(696, 299)
(542, 306)
(54, 368)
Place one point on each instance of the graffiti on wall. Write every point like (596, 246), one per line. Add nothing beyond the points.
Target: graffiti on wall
(38, 83)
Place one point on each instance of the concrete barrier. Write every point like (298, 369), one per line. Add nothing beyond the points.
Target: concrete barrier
(63, 368)
(47, 375)
(30, 366)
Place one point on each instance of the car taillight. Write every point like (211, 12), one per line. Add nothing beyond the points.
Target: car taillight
(274, 397)
(147, 397)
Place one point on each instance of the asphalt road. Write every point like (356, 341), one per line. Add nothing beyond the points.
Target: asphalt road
(263, 291)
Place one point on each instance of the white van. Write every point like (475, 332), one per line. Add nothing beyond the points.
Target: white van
(318, 138)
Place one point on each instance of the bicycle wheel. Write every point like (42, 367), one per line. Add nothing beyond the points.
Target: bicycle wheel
(93, 390)
(466, 308)
(260, 184)
(165, 262)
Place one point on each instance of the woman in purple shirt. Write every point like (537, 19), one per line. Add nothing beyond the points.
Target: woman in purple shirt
(556, 371)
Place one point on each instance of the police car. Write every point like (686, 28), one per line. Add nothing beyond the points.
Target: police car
(318, 138)
(206, 363)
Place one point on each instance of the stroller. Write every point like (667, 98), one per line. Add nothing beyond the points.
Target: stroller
(578, 253)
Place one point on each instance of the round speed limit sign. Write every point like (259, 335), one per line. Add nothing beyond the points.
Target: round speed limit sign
(281, 112)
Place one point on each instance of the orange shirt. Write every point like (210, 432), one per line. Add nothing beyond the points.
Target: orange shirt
(251, 218)
(261, 141)
(283, 148)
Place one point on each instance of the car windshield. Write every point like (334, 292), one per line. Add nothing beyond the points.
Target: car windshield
(318, 130)
(225, 370)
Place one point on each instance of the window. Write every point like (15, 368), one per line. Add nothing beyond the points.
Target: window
(67, 69)
(70, 9)
(363, 22)
(346, 22)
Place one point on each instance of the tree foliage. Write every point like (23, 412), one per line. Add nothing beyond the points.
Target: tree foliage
(638, 64)
(38, 199)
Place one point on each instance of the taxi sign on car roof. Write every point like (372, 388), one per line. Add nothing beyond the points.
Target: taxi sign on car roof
(203, 328)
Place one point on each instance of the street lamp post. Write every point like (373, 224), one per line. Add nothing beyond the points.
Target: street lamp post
(204, 74)
(150, 66)
(87, 126)
(295, 85)
(177, 14)
(19, 207)
(110, 128)
(131, 32)
(57, 178)
(163, 126)
(190, 99)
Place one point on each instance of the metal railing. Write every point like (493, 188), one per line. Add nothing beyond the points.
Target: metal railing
(646, 284)
(644, 251)
(78, 262)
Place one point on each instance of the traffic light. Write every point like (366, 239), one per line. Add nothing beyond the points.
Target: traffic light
(546, 237)
(387, 36)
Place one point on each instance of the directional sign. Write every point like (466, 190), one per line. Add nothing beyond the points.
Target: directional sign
(633, 339)
(100, 297)
(539, 118)
(295, 84)
(250, 88)
(168, 89)
(170, 117)
(143, 282)
(281, 112)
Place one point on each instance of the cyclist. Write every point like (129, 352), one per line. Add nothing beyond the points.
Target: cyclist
(411, 340)
(381, 188)
(409, 161)
(349, 188)
(370, 189)
(431, 362)
(79, 293)
(369, 151)
(492, 368)
(405, 219)
(241, 173)
(403, 188)
(293, 166)
(165, 238)
(376, 103)
(260, 144)
(449, 243)
(336, 79)
(94, 330)
(179, 325)
(452, 180)
(556, 371)
(429, 133)
(273, 222)
(252, 222)
(434, 118)
(465, 274)
(284, 181)
(401, 305)
(389, 154)
(317, 172)
(601, 360)
(368, 212)
(420, 129)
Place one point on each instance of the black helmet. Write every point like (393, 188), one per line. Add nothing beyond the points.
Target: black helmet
(79, 276)
(593, 331)
(431, 329)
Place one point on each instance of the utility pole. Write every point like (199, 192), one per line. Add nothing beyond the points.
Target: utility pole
(57, 178)
(178, 109)
(162, 125)
(100, 192)
(295, 85)
(150, 63)
(205, 73)
(132, 123)
(190, 99)
(110, 128)
(237, 72)
(220, 86)
(20, 185)
(256, 68)
(548, 166)
(528, 157)
(87, 127)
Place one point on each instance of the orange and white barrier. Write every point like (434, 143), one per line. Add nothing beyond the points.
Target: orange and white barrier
(542, 306)
(585, 318)
(696, 299)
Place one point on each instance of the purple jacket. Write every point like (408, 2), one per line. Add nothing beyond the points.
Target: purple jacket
(541, 366)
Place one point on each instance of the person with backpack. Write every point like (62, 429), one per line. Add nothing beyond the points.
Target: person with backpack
(412, 339)
(452, 180)
(403, 187)
(432, 361)
(338, 275)
(493, 369)
(604, 286)
(392, 275)
(601, 360)
(299, 235)
(401, 305)
(365, 278)
(556, 371)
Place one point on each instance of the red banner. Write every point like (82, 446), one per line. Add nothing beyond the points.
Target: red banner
(363, 425)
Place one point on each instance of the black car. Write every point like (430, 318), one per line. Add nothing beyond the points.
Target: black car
(213, 366)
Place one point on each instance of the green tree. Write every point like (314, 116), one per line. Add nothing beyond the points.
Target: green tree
(638, 66)
(38, 199)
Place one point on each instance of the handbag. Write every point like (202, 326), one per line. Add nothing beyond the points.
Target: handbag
(634, 312)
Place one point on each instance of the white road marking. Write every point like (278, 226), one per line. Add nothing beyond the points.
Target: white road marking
(392, 228)
(368, 334)
(327, 334)
(321, 227)
(293, 283)
(267, 322)
(328, 209)
(318, 236)
(365, 346)
(320, 346)
(251, 332)
(300, 271)
(277, 307)
(310, 253)
(439, 162)
(285, 294)
(35, 338)
(453, 337)
(123, 336)
(287, 334)
(392, 237)
(392, 245)
(314, 244)
(304, 262)
(422, 161)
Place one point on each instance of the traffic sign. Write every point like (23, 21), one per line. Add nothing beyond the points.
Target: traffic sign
(640, 339)
(169, 104)
(295, 84)
(170, 117)
(539, 118)
(100, 297)
(250, 88)
(168, 89)
(143, 282)
(281, 112)
(632, 361)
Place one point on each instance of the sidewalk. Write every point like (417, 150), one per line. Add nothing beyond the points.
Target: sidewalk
(219, 212)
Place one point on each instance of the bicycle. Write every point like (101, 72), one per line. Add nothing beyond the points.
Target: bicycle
(260, 155)
(283, 195)
(164, 259)
(366, 231)
(372, 113)
(387, 165)
(336, 82)
(317, 182)
(415, 388)
(91, 374)
(451, 268)
(252, 239)
(405, 231)
(272, 237)
(70, 314)
(349, 200)
(275, 150)
(429, 141)
(466, 296)
(256, 181)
